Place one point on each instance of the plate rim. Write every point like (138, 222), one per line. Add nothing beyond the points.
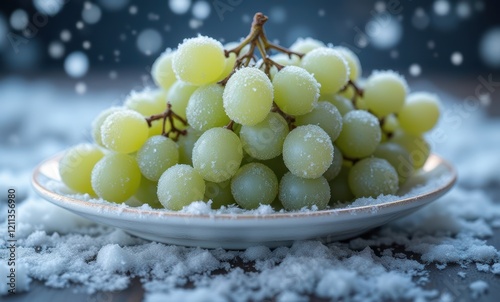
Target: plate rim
(61, 199)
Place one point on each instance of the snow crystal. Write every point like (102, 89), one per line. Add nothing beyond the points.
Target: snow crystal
(478, 288)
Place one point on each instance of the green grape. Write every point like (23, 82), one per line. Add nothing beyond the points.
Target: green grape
(116, 177)
(179, 95)
(265, 140)
(179, 186)
(308, 151)
(328, 67)
(228, 66)
(248, 96)
(352, 60)
(348, 92)
(371, 177)
(75, 167)
(305, 45)
(186, 144)
(324, 115)
(390, 123)
(342, 104)
(98, 121)
(199, 61)
(286, 60)
(416, 145)
(360, 134)
(157, 155)
(385, 93)
(339, 187)
(146, 193)
(217, 154)
(336, 165)
(295, 90)
(147, 102)
(124, 131)
(254, 184)
(205, 109)
(420, 113)
(398, 157)
(219, 193)
(162, 71)
(296, 193)
(277, 165)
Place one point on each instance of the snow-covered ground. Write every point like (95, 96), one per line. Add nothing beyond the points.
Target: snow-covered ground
(38, 119)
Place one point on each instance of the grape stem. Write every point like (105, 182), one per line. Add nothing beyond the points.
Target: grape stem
(170, 116)
(257, 39)
(358, 92)
(288, 118)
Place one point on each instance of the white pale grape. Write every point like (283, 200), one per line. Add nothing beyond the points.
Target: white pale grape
(217, 154)
(205, 109)
(162, 71)
(199, 60)
(420, 113)
(336, 165)
(179, 186)
(324, 115)
(342, 104)
(178, 96)
(147, 102)
(385, 93)
(296, 91)
(416, 146)
(352, 60)
(308, 151)
(398, 157)
(146, 193)
(219, 193)
(99, 120)
(186, 145)
(305, 45)
(248, 96)
(157, 155)
(360, 134)
(254, 184)
(371, 177)
(116, 177)
(328, 67)
(265, 140)
(75, 167)
(124, 131)
(296, 192)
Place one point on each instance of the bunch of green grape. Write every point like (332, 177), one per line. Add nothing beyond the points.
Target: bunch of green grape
(292, 130)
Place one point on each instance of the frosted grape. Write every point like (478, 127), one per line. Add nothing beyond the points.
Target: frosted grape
(416, 146)
(328, 67)
(324, 115)
(178, 95)
(147, 102)
(398, 157)
(420, 113)
(219, 193)
(296, 91)
(342, 104)
(296, 193)
(98, 121)
(75, 167)
(352, 60)
(308, 151)
(179, 186)
(371, 177)
(254, 184)
(205, 109)
(162, 71)
(248, 96)
(217, 154)
(157, 155)
(116, 177)
(124, 131)
(385, 93)
(186, 145)
(146, 193)
(360, 134)
(199, 60)
(339, 187)
(265, 140)
(305, 45)
(336, 165)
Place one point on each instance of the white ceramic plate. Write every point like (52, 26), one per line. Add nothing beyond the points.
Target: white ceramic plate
(237, 231)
